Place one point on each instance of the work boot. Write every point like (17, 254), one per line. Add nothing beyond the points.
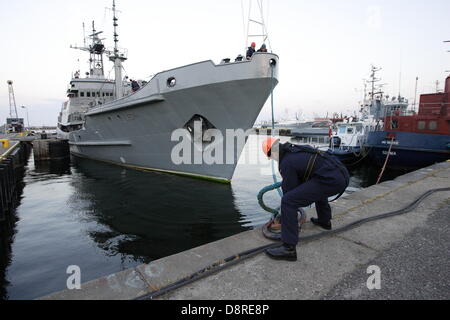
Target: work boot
(324, 225)
(285, 252)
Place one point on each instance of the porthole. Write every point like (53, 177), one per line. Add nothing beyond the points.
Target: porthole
(171, 82)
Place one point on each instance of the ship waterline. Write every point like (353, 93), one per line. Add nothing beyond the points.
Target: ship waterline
(136, 131)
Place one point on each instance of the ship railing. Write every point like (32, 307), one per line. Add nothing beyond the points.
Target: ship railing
(123, 53)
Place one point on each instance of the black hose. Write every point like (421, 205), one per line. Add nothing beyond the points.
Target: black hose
(219, 266)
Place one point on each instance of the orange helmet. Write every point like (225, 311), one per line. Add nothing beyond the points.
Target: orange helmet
(268, 144)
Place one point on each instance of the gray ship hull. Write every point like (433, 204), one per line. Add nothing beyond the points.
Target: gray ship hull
(136, 131)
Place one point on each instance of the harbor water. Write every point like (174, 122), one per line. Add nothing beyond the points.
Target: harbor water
(104, 218)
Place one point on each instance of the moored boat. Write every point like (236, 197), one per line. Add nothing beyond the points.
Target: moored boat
(414, 140)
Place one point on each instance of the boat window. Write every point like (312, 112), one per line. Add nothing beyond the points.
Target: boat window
(421, 125)
(88, 94)
(350, 130)
(433, 125)
(81, 94)
(171, 82)
(342, 130)
(394, 124)
(359, 128)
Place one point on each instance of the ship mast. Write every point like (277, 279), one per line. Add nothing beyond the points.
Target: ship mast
(373, 80)
(96, 50)
(254, 22)
(117, 58)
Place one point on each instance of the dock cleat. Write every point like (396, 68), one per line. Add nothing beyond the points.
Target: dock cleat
(272, 230)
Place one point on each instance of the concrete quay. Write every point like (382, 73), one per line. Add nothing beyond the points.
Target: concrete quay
(411, 251)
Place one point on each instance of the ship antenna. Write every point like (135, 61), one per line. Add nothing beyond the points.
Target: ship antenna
(415, 94)
(115, 24)
(117, 57)
(373, 80)
(84, 35)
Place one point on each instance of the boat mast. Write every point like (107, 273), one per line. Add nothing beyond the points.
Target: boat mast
(373, 80)
(96, 50)
(253, 24)
(117, 58)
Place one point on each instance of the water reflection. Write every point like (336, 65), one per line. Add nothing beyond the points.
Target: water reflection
(8, 229)
(366, 175)
(53, 167)
(150, 215)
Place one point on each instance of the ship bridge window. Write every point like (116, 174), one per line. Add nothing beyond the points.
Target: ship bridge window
(350, 130)
(433, 125)
(81, 94)
(342, 130)
(421, 125)
(88, 94)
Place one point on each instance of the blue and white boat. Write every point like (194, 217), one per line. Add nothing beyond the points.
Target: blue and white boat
(348, 143)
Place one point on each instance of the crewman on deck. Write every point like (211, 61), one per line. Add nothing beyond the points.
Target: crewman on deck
(309, 176)
(135, 85)
(251, 51)
(263, 48)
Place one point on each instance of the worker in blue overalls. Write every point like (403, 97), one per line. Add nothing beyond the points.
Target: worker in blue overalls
(309, 176)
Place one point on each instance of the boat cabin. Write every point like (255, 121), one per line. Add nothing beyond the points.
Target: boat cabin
(433, 116)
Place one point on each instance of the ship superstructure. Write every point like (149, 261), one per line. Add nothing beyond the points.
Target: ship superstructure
(88, 91)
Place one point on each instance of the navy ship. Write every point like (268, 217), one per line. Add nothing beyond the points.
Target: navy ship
(135, 128)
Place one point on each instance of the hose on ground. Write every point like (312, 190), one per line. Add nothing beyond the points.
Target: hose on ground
(233, 260)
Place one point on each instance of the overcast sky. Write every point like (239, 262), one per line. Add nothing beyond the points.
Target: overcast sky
(326, 47)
